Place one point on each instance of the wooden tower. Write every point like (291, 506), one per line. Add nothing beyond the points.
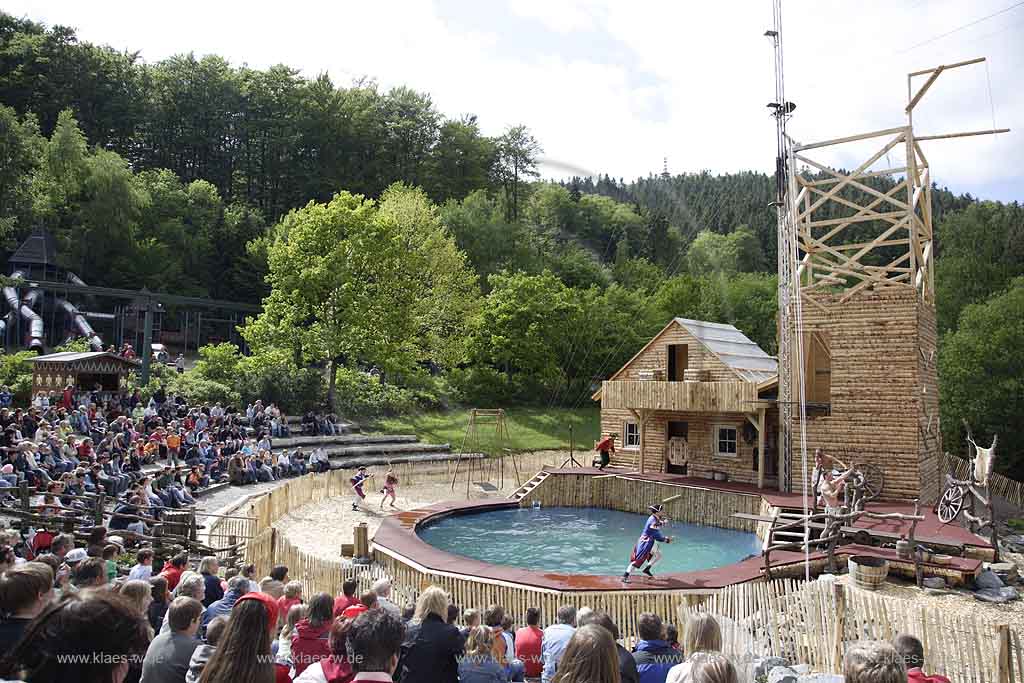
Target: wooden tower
(858, 339)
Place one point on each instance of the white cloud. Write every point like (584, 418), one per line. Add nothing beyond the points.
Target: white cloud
(693, 84)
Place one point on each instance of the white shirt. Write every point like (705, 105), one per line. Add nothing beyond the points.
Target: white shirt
(142, 572)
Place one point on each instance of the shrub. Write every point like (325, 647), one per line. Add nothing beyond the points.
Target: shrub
(16, 375)
(359, 394)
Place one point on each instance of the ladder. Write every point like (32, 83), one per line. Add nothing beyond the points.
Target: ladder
(525, 489)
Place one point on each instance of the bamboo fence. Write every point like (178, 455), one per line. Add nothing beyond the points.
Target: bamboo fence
(815, 623)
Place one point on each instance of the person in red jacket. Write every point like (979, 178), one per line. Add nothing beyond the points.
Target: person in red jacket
(366, 602)
(347, 597)
(605, 447)
(912, 651)
(173, 570)
(310, 642)
(528, 644)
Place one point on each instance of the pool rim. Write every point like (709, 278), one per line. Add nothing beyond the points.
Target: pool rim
(398, 538)
(468, 512)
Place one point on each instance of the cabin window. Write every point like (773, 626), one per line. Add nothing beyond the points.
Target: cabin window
(725, 441)
(631, 435)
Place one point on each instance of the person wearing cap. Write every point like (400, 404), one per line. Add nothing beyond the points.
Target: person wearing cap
(605, 447)
(646, 550)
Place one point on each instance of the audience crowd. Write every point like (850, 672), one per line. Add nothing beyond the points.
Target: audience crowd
(66, 619)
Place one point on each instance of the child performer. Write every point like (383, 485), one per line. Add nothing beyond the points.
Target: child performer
(357, 487)
(646, 549)
(390, 481)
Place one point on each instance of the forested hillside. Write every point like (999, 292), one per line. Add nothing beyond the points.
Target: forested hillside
(378, 231)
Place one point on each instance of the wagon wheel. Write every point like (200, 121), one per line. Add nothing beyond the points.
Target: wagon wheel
(874, 480)
(951, 503)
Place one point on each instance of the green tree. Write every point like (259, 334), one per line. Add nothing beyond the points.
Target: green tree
(981, 249)
(460, 162)
(341, 275)
(981, 377)
(518, 152)
(736, 252)
(20, 155)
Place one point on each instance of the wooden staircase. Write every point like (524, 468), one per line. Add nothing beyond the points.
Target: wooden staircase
(523, 490)
(779, 533)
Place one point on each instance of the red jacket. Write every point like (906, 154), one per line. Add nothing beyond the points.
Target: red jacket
(309, 645)
(917, 676)
(172, 574)
(343, 602)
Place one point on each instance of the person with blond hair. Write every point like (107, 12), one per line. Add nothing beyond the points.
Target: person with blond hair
(432, 646)
(703, 638)
(479, 665)
(713, 668)
(874, 662)
(590, 657)
(296, 613)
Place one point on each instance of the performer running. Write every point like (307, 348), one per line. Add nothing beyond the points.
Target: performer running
(390, 482)
(357, 487)
(646, 549)
(605, 447)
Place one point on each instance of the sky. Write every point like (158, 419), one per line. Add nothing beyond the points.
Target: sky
(617, 86)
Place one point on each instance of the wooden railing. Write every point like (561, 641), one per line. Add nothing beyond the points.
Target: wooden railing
(815, 623)
(726, 397)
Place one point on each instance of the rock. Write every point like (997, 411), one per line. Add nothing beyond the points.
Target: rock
(934, 582)
(1006, 571)
(782, 674)
(762, 665)
(821, 678)
(988, 579)
(801, 669)
(997, 595)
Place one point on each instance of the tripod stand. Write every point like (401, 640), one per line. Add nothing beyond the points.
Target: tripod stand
(572, 456)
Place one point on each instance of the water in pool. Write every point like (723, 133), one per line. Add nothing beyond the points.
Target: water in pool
(567, 540)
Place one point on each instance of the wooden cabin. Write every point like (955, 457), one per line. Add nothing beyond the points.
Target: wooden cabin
(86, 371)
(698, 399)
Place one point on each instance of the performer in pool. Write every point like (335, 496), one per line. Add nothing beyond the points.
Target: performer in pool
(390, 482)
(357, 486)
(646, 549)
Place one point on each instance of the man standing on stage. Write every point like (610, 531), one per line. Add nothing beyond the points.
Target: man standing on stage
(605, 447)
(646, 549)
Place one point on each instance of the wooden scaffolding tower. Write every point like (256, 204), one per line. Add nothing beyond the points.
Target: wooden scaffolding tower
(491, 467)
(843, 241)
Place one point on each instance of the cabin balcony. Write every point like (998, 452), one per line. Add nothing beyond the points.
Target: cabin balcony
(712, 397)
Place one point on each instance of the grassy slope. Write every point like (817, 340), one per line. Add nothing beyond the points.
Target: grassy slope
(529, 429)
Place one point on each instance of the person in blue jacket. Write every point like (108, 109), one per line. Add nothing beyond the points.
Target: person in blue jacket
(653, 655)
(646, 552)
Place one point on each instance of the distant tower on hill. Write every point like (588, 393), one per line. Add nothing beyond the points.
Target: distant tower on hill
(664, 168)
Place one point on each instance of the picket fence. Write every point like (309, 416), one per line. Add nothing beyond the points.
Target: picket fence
(816, 622)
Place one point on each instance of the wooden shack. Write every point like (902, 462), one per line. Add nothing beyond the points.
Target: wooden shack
(83, 370)
(696, 400)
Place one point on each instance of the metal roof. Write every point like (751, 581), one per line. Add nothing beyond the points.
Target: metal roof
(733, 348)
(74, 356)
(37, 249)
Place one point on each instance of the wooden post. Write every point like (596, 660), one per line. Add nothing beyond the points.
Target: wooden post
(100, 500)
(361, 540)
(23, 495)
(840, 617)
(643, 425)
(1004, 659)
(760, 447)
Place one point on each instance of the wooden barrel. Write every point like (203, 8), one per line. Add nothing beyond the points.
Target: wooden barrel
(868, 572)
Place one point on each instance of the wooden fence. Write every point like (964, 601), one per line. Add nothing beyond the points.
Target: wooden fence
(814, 623)
(961, 468)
